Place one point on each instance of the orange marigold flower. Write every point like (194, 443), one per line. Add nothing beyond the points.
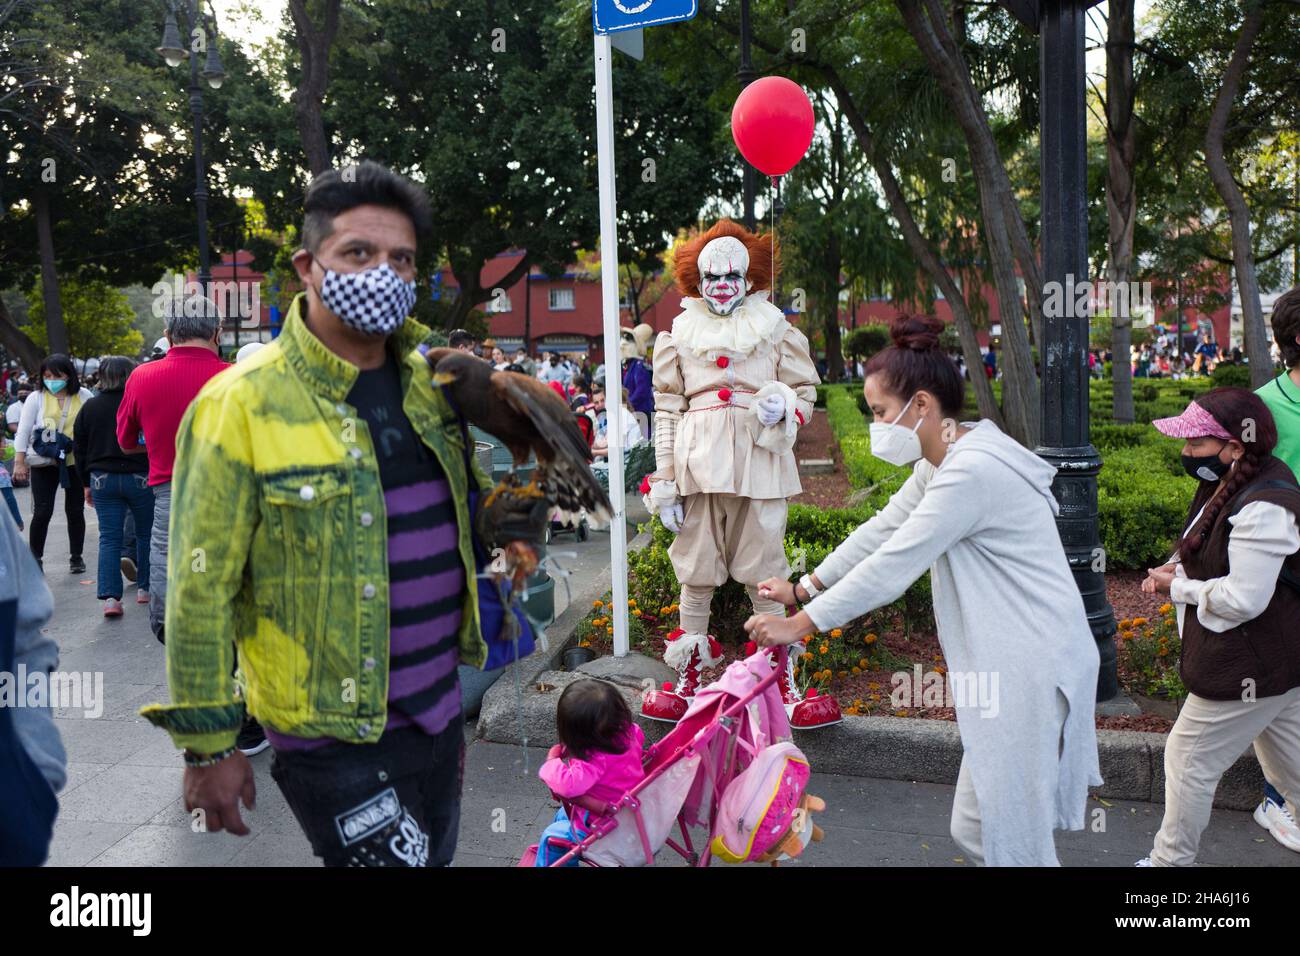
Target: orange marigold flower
(1139, 621)
(836, 632)
(871, 638)
(844, 673)
(597, 604)
(857, 669)
(825, 649)
(1166, 608)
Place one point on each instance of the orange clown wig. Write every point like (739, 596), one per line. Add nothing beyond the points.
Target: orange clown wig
(764, 256)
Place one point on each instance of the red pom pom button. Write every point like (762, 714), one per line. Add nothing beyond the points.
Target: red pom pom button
(723, 361)
(724, 394)
(812, 692)
(645, 485)
(668, 685)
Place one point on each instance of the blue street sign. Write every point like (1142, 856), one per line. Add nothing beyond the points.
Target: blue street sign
(610, 16)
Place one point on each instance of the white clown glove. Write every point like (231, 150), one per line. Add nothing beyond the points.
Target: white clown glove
(770, 410)
(664, 500)
(672, 516)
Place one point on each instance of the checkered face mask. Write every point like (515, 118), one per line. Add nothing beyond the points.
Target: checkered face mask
(376, 301)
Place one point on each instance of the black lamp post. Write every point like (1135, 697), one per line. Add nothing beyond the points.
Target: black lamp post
(1063, 351)
(174, 49)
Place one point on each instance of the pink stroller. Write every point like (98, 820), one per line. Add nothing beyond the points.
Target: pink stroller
(735, 728)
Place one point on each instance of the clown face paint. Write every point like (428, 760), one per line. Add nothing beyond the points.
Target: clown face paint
(723, 263)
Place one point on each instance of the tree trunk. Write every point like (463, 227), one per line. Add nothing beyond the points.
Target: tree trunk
(470, 291)
(1121, 198)
(1252, 314)
(998, 180)
(831, 318)
(314, 46)
(56, 332)
(1020, 389)
(925, 254)
(16, 341)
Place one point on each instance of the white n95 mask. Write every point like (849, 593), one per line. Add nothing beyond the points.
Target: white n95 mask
(896, 443)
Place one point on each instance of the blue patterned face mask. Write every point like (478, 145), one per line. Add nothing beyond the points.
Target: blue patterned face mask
(56, 385)
(375, 302)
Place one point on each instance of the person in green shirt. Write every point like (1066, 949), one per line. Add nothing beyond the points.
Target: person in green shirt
(1282, 396)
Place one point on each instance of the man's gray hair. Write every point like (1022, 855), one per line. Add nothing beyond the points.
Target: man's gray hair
(192, 317)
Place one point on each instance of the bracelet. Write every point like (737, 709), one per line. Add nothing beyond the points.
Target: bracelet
(196, 760)
(806, 582)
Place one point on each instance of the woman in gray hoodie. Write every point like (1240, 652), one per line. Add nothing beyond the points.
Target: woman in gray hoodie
(979, 514)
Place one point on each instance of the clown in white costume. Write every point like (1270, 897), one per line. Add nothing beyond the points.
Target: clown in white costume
(733, 381)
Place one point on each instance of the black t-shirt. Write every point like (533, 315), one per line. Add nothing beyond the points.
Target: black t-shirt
(403, 458)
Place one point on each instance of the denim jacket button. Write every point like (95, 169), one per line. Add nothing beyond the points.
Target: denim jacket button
(367, 519)
(341, 408)
(355, 452)
(363, 730)
(306, 492)
(369, 663)
(368, 591)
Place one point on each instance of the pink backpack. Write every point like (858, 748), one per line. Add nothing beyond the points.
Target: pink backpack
(762, 805)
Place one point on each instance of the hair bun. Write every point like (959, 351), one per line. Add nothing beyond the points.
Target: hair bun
(919, 333)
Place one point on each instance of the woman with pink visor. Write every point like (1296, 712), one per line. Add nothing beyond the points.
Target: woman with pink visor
(1235, 581)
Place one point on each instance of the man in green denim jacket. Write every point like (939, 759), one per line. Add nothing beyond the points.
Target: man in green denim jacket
(280, 550)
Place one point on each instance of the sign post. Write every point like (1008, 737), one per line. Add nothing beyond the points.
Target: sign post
(610, 16)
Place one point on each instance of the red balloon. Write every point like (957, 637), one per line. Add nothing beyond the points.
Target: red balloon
(772, 124)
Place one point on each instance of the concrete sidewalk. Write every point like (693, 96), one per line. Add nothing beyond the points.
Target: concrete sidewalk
(122, 804)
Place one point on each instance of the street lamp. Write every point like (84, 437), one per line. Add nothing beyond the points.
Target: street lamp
(1066, 442)
(200, 27)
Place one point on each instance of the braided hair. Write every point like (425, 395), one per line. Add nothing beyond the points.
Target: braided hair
(1243, 414)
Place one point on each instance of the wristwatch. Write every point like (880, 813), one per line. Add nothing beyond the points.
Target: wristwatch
(806, 582)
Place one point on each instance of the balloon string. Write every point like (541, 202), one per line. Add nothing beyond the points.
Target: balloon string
(771, 205)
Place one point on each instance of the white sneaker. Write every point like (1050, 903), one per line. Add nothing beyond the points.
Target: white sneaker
(1277, 820)
(1145, 861)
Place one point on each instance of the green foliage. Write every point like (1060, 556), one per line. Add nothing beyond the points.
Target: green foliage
(865, 341)
(1226, 373)
(1148, 654)
(99, 319)
(864, 469)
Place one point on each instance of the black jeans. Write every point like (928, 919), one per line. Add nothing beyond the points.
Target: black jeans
(391, 803)
(45, 484)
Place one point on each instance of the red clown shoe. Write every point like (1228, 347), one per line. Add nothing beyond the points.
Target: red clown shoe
(806, 713)
(689, 654)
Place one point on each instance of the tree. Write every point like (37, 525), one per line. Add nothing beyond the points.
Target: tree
(502, 132)
(1121, 197)
(905, 131)
(314, 38)
(866, 340)
(1256, 338)
(98, 317)
(99, 176)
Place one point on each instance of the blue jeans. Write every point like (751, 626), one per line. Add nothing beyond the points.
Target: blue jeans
(559, 829)
(114, 495)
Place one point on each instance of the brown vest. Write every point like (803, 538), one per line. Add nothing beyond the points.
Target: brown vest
(1265, 650)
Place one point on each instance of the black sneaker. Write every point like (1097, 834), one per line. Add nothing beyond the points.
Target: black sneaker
(252, 740)
(77, 566)
(128, 569)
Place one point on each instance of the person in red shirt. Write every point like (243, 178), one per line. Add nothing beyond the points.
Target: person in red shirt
(156, 397)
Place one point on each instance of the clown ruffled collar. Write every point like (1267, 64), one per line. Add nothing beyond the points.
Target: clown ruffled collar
(754, 322)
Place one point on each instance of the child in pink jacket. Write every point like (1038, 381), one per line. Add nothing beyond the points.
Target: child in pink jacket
(598, 756)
